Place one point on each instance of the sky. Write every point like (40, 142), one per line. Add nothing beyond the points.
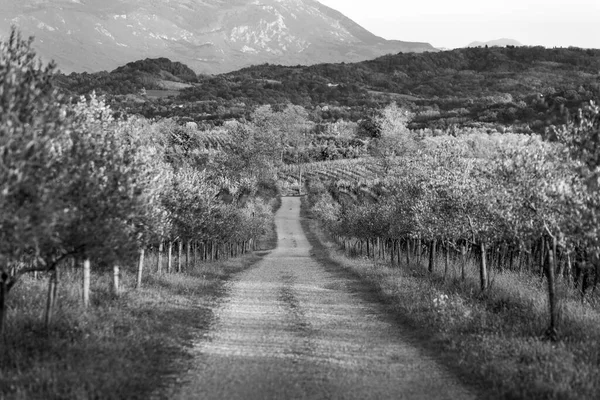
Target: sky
(456, 23)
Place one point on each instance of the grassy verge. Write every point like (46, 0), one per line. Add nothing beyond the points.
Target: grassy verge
(493, 339)
(126, 347)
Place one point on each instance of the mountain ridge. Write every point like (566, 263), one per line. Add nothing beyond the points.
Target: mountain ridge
(211, 36)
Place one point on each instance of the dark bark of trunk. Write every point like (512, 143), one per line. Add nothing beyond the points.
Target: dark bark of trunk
(432, 249)
(51, 299)
(3, 296)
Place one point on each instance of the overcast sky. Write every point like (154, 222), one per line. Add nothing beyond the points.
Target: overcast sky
(457, 23)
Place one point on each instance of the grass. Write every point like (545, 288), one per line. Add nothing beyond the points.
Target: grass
(494, 339)
(126, 347)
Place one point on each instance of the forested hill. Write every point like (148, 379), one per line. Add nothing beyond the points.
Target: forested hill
(530, 86)
(463, 72)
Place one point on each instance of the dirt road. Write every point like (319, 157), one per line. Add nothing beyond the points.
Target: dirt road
(288, 329)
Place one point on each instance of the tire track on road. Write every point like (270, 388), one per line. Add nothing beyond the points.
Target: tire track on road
(291, 330)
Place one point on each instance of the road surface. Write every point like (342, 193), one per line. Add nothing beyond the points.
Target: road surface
(288, 329)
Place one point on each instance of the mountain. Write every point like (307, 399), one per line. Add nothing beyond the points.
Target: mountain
(496, 43)
(210, 36)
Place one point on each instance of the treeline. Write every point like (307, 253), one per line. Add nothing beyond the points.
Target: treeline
(79, 188)
(464, 87)
(511, 202)
(468, 72)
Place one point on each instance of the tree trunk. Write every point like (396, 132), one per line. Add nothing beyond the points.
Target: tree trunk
(552, 332)
(159, 262)
(115, 283)
(3, 296)
(86, 283)
(542, 256)
(483, 275)
(446, 259)
(51, 299)
(432, 247)
(408, 250)
(170, 258)
(418, 252)
(140, 269)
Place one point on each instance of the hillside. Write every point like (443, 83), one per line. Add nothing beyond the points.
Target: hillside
(464, 87)
(210, 36)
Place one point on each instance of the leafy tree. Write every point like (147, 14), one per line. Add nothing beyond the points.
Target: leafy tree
(32, 145)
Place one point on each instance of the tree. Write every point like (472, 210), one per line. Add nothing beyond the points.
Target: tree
(395, 138)
(32, 145)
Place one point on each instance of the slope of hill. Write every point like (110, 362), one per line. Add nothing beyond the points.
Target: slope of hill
(210, 36)
(527, 86)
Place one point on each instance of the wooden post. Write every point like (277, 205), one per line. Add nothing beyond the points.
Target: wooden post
(86, 283)
(551, 252)
(140, 269)
(159, 262)
(483, 278)
(115, 285)
(170, 257)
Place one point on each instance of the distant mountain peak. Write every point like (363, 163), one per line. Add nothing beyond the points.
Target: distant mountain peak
(498, 42)
(210, 36)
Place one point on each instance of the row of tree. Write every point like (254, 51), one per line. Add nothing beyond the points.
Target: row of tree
(514, 202)
(78, 185)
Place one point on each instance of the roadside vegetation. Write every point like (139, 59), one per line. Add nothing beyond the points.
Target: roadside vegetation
(493, 340)
(488, 241)
(113, 231)
(130, 346)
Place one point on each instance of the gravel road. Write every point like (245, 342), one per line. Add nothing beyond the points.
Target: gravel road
(288, 329)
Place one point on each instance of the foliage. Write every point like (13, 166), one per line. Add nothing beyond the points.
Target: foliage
(78, 183)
